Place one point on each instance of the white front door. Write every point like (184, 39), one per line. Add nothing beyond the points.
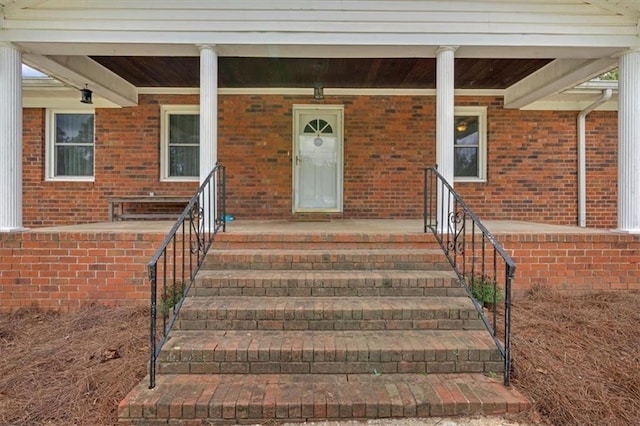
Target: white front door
(317, 158)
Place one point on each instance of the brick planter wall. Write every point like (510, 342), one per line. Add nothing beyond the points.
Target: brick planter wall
(575, 263)
(61, 271)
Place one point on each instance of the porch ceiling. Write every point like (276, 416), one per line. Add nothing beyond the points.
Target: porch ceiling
(251, 72)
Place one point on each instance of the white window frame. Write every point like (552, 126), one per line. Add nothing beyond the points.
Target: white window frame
(50, 146)
(481, 113)
(165, 112)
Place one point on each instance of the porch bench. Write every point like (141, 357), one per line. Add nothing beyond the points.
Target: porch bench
(118, 207)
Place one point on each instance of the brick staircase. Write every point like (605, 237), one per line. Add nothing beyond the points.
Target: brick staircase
(294, 327)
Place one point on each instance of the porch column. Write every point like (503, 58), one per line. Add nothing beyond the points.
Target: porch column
(10, 138)
(444, 125)
(629, 143)
(208, 126)
(445, 111)
(208, 110)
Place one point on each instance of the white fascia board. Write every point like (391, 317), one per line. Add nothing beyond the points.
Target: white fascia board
(318, 51)
(559, 75)
(109, 49)
(628, 8)
(309, 38)
(12, 6)
(78, 71)
(45, 92)
(569, 106)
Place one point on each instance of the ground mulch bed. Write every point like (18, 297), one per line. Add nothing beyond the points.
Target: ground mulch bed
(576, 357)
(70, 369)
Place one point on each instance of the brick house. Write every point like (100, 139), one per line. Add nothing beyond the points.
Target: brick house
(329, 108)
(501, 124)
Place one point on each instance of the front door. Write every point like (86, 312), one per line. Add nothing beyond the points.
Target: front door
(317, 159)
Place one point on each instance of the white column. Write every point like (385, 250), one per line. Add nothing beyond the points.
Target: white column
(629, 143)
(10, 138)
(208, 129)
(445, 111)
(208, 110)
(444, 124)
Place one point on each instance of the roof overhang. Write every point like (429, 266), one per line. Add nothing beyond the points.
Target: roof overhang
(65, 40)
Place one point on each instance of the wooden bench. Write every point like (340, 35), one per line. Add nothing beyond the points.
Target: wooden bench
(118, 206)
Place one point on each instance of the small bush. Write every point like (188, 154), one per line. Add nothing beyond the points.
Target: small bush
(485, 291)
(171, 297)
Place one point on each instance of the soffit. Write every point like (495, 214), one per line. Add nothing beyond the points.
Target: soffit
(403, 73)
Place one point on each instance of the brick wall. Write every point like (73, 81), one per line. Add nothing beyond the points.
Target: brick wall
(532, 167)
(575, 263)
(387, 141)
(61, 271)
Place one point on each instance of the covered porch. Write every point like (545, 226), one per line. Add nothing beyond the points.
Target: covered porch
(399, 84)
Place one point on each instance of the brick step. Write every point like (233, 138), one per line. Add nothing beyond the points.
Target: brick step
(328, 313)
(325, 240)
(328, 352)
(326, 283)
(238, 399)
(328, 259)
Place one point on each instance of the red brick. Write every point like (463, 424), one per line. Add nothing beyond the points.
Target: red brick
(259, 174)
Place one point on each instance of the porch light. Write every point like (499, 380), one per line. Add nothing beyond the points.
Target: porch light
(318, 92)
(85, 95)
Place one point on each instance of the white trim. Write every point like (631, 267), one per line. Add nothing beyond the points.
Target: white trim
(50, 131)
(629, 144)
(297, 109)
(553, 78)
(328, 91)
(11, 143)
(81, 71)
(165, 112)
(481, 113)
(168, 90)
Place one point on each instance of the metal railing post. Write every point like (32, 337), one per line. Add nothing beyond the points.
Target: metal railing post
(482, 278)
(197, 242)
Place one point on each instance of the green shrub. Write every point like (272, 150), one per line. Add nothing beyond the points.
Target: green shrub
(171, 297)
(485, 291)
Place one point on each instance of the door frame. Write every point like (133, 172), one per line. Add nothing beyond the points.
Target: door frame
(338, 110)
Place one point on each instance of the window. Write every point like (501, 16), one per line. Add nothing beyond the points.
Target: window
(70, 145)
(318, 126)
(470, 145)
(180, 143)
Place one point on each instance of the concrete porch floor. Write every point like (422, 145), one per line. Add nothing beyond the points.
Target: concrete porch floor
(338, 226)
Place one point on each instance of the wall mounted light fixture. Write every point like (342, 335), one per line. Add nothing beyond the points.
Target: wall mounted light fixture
(318, 92)
(86, 95)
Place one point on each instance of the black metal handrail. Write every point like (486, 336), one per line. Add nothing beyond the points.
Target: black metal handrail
(174, 266)
(480, 262)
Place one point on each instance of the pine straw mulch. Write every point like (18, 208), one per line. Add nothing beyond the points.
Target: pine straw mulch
(70, 369)
(576, 357)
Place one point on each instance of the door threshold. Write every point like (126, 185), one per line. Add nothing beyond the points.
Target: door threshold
(310, 217)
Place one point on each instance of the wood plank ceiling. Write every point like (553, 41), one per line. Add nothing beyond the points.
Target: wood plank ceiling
(403, 73)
